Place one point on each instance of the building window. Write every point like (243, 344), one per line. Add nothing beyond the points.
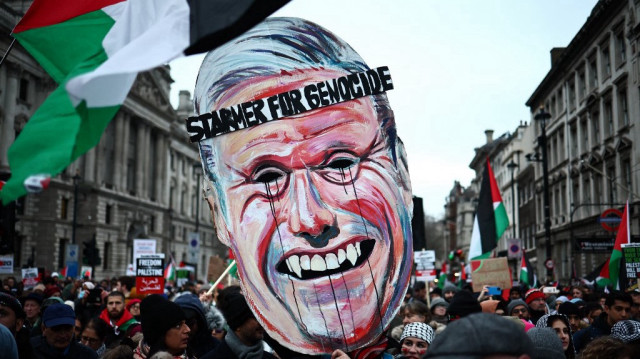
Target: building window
(106, 255)
(172, 160)
(107, 214)
(132, 154)
(560, 100)
(24, 90)
(574, 139)
(621, 48)
(62, 249)
(572, 94)
(608, 118)
(626, 174)
(593, 73)
(597, 187)
(623, 112)
(64, 208)
(606, 62)
(582, 85)
(152, 223)
(585, 135)
(611, 174)
(586, 193)
(595, 122)
(576, 192)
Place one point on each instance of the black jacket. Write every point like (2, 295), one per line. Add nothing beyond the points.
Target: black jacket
(598, 328)
(223, 351)
(42, 350)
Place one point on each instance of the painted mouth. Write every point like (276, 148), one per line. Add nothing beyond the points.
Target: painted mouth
(311, 266)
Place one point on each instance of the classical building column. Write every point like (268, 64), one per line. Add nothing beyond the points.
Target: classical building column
(140, 165)
(126, 118)
(161, 157)
(7, 132)
(118, 151)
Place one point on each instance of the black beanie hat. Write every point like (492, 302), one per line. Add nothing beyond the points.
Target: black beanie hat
(236, 310)
(568, 308)
(158, 315)
(462, 304)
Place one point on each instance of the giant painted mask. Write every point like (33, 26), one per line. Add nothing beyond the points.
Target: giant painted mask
(307, 182)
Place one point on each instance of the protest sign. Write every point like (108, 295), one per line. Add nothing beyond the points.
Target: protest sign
(6, 264)
(143, 246)
(631, 254)
(492, 272)
(30, 277)
(150, 274)
(215, 269)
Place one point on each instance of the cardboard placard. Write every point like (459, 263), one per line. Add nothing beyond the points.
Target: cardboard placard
(631, 254)
(215, 269)
(492, 272)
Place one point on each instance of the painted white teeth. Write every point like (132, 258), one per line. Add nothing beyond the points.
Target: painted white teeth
(305, 262)
(358, 249)
(294, 263)
(342, 255)
(318, 264)
(352, 256)
(332, 261)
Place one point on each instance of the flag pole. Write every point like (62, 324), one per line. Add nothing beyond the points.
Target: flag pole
(6, 53)
(226, 271)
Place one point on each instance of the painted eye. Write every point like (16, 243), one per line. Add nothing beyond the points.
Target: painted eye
(341, 163)
(268, 175)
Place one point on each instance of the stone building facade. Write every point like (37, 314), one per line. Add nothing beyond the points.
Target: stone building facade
(140, 181)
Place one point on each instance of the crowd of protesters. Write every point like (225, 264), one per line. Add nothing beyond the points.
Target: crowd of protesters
(108, 319)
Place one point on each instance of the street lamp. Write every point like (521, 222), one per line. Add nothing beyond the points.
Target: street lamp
(76, 179)
(512, 167)
(542, 117)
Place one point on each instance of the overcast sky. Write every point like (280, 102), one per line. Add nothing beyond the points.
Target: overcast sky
(458, 68)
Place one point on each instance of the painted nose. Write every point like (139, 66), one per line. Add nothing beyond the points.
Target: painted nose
(310, 218)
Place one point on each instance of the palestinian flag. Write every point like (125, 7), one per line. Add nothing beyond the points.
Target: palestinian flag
(527, 275)
(612, 270)
(442, 280)
(491, 218)
(170, 270)
(94, 49)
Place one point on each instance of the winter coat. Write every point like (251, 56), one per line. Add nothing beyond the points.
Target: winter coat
(42, 350)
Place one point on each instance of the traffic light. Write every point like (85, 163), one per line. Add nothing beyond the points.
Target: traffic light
(91, 253)
(7, 227)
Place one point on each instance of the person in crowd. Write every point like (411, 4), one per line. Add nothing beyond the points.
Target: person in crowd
(80, 323)
(125, 284)
(546, 343)
(591, 311)
(245, 336)
(57, 339)
(415, 311)
(537, 306)
(571, 311)
(518, 308)
(134, 308)
(420, 292)
(628, 331)
(449, 291)
(119, 319)
(94, 335)
(215, 319)
(439, 308)
(200, 339)
(635, 306)
(576, 292)
(616, 308)
(36, 330)
(515, 292)
(8, 346)
(70, 291)
(164, 328)
(435, 292)
(462, 304)
(31, 304)
(474, 336)
(415, 340)
(489, 305)
(602, 298)
(560, 324)
(12, 316)
(607, 347)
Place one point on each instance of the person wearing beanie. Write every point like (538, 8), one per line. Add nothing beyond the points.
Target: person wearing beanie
(560, 324)
(481, 335)
(12, 316)
(439, 308)
(164, 328)
(31, 305)
(546, 343)
(415, 340)
(537, 305)
(57, 339)
(462, 304)
(449, 291)
(571, 311)
(200, 339)
(518, 308)
(133, 306)
(244, 339)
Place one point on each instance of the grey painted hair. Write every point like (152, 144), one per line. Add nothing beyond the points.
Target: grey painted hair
(278, 46)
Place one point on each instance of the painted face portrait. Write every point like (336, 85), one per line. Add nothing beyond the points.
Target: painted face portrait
(315, 206)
